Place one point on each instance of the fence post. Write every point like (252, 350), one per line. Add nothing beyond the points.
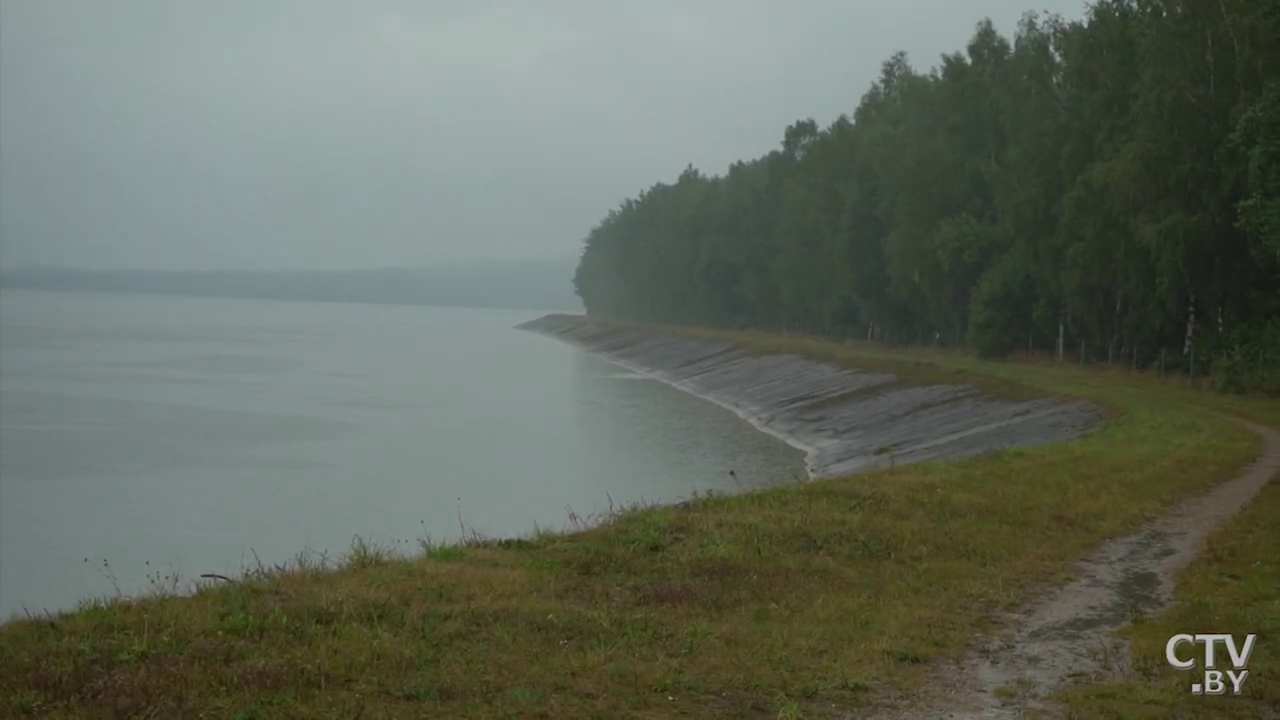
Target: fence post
(1162, 362)
(1135, 358)
(1028, 345)
(1082, 352)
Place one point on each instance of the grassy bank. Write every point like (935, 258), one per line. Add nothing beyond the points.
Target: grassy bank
(787, 602)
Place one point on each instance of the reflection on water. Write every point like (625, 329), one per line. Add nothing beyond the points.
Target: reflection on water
(632, 423)
(194, 433)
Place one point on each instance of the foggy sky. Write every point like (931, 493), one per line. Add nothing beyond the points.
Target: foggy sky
(328, 134)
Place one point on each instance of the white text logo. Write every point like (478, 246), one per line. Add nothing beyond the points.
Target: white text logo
(1215, 680)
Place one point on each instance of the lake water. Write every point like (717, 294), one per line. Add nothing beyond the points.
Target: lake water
(159, 433)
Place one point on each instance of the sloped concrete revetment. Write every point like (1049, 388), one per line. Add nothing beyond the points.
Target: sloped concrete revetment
(844, 420)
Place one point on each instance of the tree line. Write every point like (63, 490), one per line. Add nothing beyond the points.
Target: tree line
(1110, 184)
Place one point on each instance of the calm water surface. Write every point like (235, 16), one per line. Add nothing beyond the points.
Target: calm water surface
(169, 433)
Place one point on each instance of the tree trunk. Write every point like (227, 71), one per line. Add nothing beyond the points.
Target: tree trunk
(1191, 325)
(1115, 328)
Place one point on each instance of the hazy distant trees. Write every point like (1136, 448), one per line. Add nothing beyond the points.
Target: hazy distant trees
(1112, 182)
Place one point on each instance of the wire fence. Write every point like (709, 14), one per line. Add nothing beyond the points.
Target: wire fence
(1194, 364)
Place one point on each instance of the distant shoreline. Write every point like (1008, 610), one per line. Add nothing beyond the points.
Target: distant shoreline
(527, 285)
(343, 301)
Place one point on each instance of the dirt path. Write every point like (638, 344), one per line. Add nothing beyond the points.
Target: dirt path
(1068, 635)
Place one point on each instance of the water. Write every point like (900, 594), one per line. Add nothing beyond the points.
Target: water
(163, 434)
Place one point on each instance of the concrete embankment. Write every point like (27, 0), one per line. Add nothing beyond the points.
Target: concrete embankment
(845, 421)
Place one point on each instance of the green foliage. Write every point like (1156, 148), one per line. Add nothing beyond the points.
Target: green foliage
(1259, 136)
(1130, 162)
(1251, 363)
(999, 312)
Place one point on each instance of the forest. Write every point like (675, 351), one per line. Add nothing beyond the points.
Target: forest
(1104, 189)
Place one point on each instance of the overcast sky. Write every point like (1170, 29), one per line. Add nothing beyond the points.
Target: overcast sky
(360, 133)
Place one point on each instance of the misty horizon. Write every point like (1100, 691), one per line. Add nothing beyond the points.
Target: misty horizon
(498, 262)
(514, 284)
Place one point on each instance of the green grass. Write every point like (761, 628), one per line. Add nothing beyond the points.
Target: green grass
(781, 603)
